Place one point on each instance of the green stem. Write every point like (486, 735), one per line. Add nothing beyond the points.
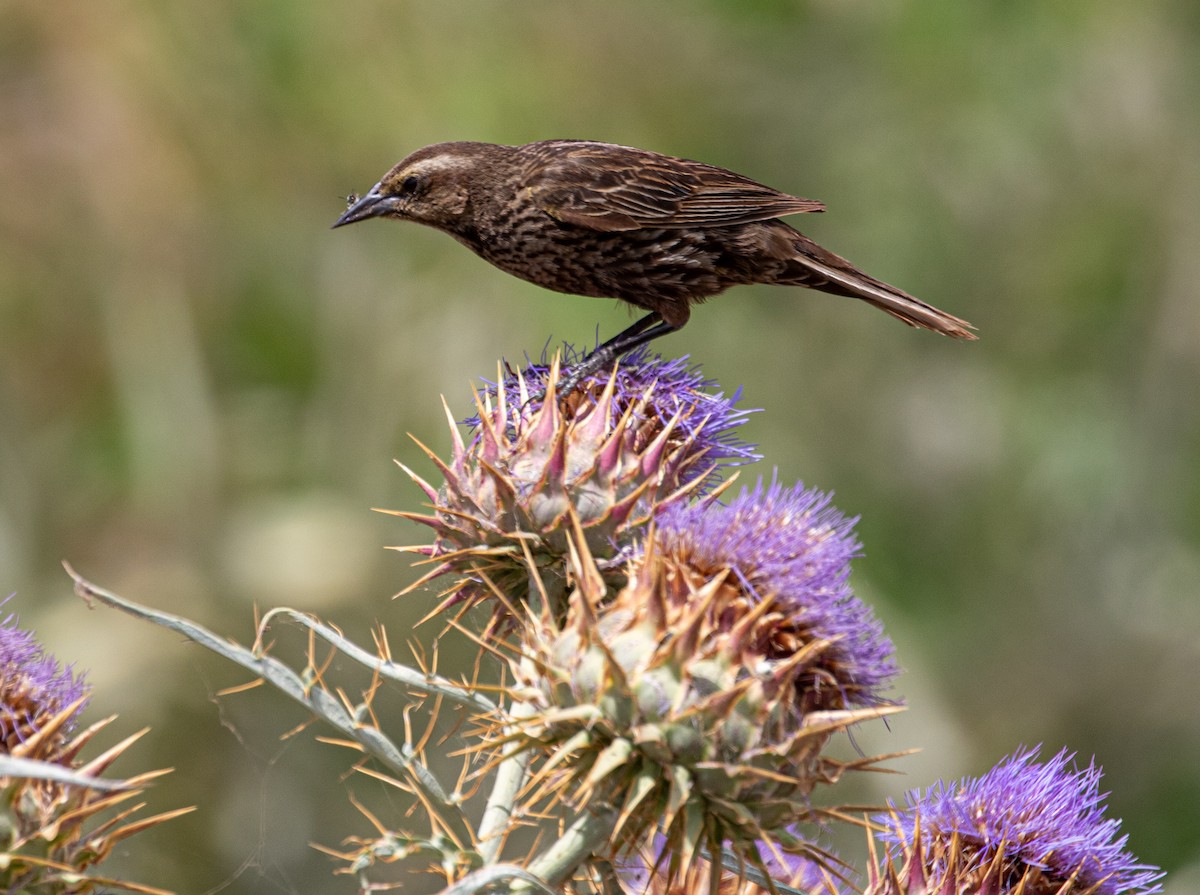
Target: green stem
(401, 674)
(400, 759)
(592, 827)
(510, 777)
(486, 877)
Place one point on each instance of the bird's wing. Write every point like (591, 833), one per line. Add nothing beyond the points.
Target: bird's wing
(607, 187)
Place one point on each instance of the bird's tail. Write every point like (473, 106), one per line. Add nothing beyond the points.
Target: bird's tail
(818, 268)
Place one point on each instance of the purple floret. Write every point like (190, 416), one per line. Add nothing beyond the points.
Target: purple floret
(34, 687)
(1046, 816)
(791, 543)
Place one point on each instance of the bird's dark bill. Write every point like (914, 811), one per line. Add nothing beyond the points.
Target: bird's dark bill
(368, 206)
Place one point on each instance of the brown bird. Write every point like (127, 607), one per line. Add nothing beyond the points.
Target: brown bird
(612, 221)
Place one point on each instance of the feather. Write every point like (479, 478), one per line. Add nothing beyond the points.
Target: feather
(606, 187)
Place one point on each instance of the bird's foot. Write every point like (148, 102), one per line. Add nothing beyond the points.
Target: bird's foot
(604, 356)
(571, 378)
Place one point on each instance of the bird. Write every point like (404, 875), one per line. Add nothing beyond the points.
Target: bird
(598, 219)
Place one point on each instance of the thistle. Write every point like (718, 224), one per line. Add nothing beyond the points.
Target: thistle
(673, 671)
(40, 700)
(694, 706)
(55, 823)
(790, 549)
(607, 455)
(1024, 827)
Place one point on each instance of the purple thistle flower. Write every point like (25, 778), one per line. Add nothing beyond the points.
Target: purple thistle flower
(34, 688)
(790, 543)
(1045, 817)
(679, 389)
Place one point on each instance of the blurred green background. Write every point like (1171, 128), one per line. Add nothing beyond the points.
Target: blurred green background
(202, 388)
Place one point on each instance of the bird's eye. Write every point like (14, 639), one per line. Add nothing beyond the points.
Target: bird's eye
(408, 185)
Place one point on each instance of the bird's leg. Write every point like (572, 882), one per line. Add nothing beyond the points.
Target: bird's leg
(644, 330)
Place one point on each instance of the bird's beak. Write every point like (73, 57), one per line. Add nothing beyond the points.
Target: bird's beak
(372, 205)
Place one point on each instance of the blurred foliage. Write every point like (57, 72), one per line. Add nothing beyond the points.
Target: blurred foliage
(201, 387)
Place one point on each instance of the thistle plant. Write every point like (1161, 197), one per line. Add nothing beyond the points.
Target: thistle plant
(665, 671)
(58, 818)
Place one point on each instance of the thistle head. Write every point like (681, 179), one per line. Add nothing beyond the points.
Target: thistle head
(606, 455)
(40, 699)
(668, 390)
(1023, 827)
(56, 822)
(700, 709)
(784, 554)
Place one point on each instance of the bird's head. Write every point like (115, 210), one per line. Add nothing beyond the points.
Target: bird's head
(432, 186)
